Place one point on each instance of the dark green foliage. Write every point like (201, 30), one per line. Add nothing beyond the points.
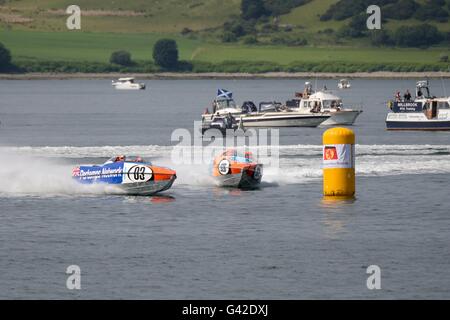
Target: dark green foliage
(432, 11)
(355, 29)
(165, 53)
(344, 9)
(121, 57)
(238, 28)
(418, 36)
(443, 57)
(250, 39)
(228, 37)
(288, 41)
(280, 7)
(402, 10)
(380, 38)
(252, 9)
(5, 57)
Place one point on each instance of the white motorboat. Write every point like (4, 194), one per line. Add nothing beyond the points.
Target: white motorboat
(344, 84)
(270, 114)
(127, 84)
(425, 112)
(324, 102)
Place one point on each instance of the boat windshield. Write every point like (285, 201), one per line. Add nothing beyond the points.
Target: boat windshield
(331, 104)
(239, 155)
(122, 158)
(225, 103)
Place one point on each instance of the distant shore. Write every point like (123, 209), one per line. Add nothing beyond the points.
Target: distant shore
(213, 75)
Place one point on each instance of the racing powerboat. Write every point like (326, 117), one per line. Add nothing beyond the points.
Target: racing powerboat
(127, 84)
(234, 169)
(324, 101)
(131, 175)
(268, 115)
(425, 112)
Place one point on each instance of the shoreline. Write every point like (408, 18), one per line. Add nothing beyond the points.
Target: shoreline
(225, 76)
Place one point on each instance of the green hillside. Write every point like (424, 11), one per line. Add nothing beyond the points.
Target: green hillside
(215, 35)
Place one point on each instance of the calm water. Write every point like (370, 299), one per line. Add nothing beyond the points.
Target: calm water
(197, 241)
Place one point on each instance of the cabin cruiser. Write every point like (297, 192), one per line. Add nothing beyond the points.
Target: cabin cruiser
(237, 169)
(310, 102)
(127, 84)
(267, 115)
(344, 84)
(424, 112)
(130, 175)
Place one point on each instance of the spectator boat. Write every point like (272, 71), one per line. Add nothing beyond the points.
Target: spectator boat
(127, 84)
(424, 112)
(310, 102)
(268, 115)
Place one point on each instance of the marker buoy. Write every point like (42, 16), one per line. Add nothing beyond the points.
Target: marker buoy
(338, 163)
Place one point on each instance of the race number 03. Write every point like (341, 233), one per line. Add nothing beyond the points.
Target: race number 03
(140, 173)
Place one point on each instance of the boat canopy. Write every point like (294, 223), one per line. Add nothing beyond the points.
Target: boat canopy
(126, 79)
(225, 104)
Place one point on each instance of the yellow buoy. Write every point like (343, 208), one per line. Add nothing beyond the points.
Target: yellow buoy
(339, 163)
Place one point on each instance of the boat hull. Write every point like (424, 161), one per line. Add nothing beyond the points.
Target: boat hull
(146, 188)
(244, 180)
(417, 121)
(267, 121)
(431, 125)
(342, 118)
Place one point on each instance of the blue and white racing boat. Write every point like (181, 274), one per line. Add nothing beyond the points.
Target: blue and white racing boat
(425, 112)
(131, 175)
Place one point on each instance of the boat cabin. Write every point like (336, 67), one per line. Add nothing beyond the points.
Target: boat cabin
(321, 102)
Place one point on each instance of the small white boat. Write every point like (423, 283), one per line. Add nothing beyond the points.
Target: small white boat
(310, 102)
(425, 112)
(344, 84)
(127, 84)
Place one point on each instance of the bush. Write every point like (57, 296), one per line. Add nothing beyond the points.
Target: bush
(186, 31)
(5, 57)
(228, 37)
(280, 7)
(165, 53)
(121, 57)
(423, 35)
(402, 10)
(443, 57)
(252, 9)
(380, 38)
(432, 11)
(249, 40)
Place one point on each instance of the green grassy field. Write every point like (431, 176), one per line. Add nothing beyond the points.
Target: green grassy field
(143, 15)
(97, 47)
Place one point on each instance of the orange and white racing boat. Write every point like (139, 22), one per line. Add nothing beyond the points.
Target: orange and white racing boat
(239, 170)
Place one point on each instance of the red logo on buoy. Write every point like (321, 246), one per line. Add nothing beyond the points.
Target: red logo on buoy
(330, 153)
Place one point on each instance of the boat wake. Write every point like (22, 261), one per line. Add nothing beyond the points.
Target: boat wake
(47, 170)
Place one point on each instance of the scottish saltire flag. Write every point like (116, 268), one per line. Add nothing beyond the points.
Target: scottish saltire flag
(224, 94)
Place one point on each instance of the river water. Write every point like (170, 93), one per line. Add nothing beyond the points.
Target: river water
(198, 241)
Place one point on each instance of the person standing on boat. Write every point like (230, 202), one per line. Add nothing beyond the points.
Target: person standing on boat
(398, 98)
(407, 96)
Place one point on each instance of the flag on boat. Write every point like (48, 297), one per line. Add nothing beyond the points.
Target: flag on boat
(224, 94)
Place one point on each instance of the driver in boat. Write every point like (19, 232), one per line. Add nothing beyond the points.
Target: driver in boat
(139, 159)
(120, 158)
